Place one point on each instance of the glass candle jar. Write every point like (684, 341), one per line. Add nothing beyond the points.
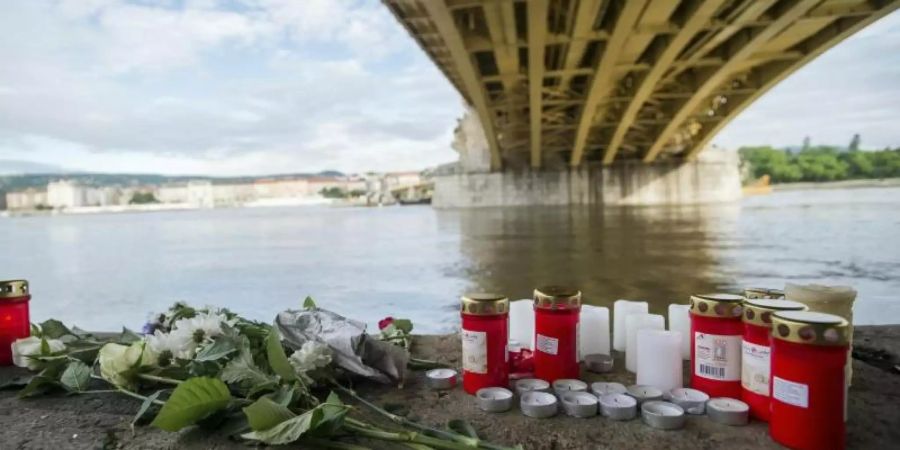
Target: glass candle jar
(756, 346)
(14, 320)
(808, 403)
(485, 332)
(716, 334)
(556, 312)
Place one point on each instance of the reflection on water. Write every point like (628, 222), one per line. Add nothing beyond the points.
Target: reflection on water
(104, 270)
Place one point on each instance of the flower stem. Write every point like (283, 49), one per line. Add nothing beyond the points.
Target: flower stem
(139, 396)
(405, 436)
(157, 379)
(329, 443)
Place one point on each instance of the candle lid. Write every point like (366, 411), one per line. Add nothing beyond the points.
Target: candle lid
(484, 304)
(758, 292)
(557, 297)
(11, 289)
(758, 311)
(717, 305)
(807, 327)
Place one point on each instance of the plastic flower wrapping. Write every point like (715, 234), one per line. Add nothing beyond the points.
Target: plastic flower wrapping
(272, 384)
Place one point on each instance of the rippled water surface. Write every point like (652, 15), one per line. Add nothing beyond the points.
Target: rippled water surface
(103, 271)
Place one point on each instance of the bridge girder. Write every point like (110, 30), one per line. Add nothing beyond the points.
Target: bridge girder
(564, 81)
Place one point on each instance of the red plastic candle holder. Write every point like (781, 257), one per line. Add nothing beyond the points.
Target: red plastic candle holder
(556, 314)
(14, 319)
(485, 333)
(716, 334)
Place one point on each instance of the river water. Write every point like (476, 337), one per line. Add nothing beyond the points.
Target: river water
(104, 271)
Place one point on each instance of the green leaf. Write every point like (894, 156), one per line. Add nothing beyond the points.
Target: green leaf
(404, 325)
(35, 330)
(45, 347)
(284, 396)
(333, 412)
(192, 401)
(45, 380)
(309, 303)
(242, 370)
(76, 376)
(264, 414)
(128, 336)
(288, 431)
(86, 355)
(145, 406)
(277, 358)
(463, 427)
(218, 349)
(54, 329)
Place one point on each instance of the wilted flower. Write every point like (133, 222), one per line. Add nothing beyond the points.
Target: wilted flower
(168, 346)
(311, 356)
(386, 322)
(201, 327)
(117, 362)
(24, 349)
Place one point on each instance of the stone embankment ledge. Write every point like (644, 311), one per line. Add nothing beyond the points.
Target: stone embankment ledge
(102, 421)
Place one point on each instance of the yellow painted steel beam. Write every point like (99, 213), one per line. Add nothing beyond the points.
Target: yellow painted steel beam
(537, 34)
(603, 81)
(696, 18)
(757, 39)
(501, 23)
(446, 26)
(585, 14)
(772, 74)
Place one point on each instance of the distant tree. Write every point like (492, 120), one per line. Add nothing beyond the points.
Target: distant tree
(142, 198)
(806, 142)
(854, 143)
(333, 192)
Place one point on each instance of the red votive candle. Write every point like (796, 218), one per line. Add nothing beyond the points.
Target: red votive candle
(556, 312)
(716, 334)
(756, 359)
(485, 331)
(809, 352)
(14, 320)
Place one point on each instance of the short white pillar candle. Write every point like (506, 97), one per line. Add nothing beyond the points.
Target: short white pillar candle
(593, 331)
(633, 323)
(658, 359)
(621, 310)
(680, 321)
(521, 322)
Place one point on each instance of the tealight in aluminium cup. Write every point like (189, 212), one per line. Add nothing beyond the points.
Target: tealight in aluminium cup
(494, 399)
(618, 406)
(439, 379)
(600, 388)
(485, 331)
(662, 415)
(598, 363)
(728, 411)
(691, 400)
(539, 404)
(643, 393)
(531, 385)
(564, 385)
(579, 404)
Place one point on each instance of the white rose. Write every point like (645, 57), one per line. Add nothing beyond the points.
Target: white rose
(24, 349)
(311, 356)
(116, 361)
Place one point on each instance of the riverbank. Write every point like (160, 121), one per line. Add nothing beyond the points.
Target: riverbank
(845, 184)
(102, 421)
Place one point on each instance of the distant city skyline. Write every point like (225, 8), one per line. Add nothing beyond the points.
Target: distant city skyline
(255, 87)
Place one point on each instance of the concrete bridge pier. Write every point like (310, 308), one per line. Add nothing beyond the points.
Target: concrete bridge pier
(622, 183)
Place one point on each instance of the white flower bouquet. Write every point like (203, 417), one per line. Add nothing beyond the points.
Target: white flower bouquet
(209, 366)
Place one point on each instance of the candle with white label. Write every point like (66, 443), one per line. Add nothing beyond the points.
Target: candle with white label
(633, 323)
(494, 399)
(680, 321)
(521, 322)
(659, 359)
(621, 310)
(579, 404)
(538, 404)
(593, 331)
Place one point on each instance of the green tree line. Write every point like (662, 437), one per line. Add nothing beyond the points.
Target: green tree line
(821, 164)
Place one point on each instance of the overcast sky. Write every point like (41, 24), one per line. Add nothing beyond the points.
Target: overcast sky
(271, 86)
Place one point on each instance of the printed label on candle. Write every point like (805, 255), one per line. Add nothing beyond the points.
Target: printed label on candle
(474, 350)
(755, 368)
(717, 357)
(789, 392)
(548, 345)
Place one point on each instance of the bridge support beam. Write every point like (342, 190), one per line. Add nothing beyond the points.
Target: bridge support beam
(712, 178)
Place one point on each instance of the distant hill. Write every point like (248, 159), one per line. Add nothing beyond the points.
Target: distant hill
(39, 180)
(18, 167)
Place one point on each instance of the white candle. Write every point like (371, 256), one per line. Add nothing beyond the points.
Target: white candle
(564, 385)
(662, 415)
(538, 404)
(659, 359)
(680, 321)
(521, 322)
(441, 378)
(531, 384)
(579, 404)
(633, 323)
(692, 400)
(728, 411)
(593, 331)
(621, 309)
(494, 399)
